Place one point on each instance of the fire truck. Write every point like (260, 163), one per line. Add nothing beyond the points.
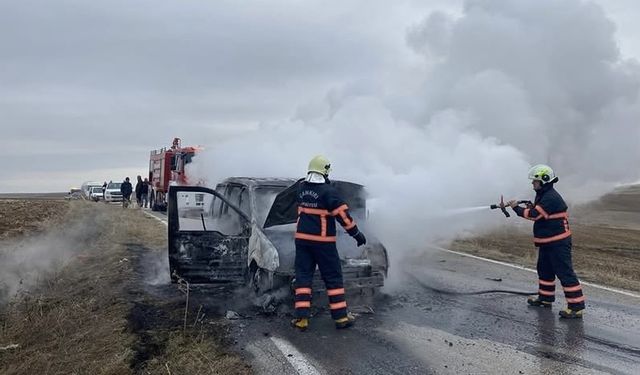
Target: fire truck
(166, 168)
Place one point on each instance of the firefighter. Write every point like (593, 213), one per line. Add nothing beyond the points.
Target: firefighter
(552, 236)
(319, 207)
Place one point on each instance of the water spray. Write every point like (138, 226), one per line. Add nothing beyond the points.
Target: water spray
(465, 210)
(501, 205)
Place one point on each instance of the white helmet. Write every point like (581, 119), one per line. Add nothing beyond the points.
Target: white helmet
(542, 173)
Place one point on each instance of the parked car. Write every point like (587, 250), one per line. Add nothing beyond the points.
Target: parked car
(112, 193)
(96, 194)
(87, 187)
(243, 231)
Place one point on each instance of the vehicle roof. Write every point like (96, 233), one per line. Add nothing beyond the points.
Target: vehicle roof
(260, 181)
(270, 181)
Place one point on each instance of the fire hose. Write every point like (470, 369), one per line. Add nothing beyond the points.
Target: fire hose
(479, 292)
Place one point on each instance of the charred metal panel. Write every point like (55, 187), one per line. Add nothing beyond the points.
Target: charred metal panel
(354, 278)
(209, 257)
(262, 250)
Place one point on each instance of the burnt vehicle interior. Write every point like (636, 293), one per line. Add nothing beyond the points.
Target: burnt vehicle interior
(208, 236)
(243, 232)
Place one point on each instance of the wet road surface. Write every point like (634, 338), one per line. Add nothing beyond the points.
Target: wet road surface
(417, 330)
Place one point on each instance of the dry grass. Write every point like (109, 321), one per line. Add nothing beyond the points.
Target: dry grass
(189, 355)
(93, 316)
(73, 322)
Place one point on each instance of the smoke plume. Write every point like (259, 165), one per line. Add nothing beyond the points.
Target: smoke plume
(501, 86)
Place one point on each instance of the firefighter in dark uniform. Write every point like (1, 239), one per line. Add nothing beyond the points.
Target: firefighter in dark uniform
(319, 207)
(553, 238)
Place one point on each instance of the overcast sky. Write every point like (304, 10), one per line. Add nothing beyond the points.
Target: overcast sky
(87, 88)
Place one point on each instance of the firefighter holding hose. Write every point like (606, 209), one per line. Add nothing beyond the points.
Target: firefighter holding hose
(319, 207)
(552, 236)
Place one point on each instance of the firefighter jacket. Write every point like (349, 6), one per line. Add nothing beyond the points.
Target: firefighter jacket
(319, 206)
(549, 213)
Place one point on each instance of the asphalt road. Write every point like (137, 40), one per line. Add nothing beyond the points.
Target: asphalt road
(415, 329)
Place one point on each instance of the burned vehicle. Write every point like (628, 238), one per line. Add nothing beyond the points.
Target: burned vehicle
(243, 232)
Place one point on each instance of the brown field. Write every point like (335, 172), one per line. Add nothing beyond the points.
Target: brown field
(606, 241)
(90, 311)
(19, 216)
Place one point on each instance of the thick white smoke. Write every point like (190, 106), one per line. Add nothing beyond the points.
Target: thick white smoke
(546, 77)
(504, 85)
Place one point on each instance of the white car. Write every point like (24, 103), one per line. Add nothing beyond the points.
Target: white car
(113, 194)
(96, 194)
(87, 186)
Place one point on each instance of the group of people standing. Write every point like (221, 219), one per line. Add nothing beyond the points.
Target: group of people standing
(143, 191)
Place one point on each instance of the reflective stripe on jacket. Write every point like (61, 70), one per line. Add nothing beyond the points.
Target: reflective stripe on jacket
(319, 207)
(550, 217)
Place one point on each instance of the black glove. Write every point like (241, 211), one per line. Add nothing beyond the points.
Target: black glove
(360, 238)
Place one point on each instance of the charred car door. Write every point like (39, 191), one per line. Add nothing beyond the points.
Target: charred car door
(208, 236)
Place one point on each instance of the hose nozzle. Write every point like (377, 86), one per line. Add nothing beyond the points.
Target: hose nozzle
(501, 206)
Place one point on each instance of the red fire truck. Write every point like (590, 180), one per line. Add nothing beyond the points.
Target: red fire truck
(166, 168)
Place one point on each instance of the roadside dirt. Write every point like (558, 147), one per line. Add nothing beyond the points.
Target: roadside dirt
(104, 305)
(606, 241)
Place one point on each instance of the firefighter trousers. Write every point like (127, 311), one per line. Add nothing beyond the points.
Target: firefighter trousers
(325, 257)
(554, 260)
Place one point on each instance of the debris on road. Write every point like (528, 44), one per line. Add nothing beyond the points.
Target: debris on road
(268, 303)
(9, 347)
(498, 279)
(362, 310)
